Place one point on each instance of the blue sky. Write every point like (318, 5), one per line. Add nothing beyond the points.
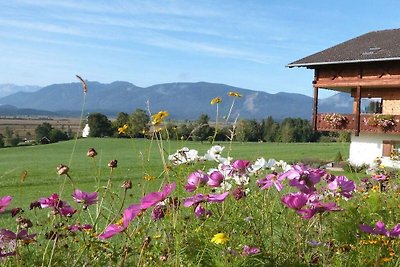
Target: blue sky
(241, 43)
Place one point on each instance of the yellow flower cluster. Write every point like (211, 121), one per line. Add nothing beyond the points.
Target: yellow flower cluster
(148, 177)
(234, 94)
(122, 130)
(159, 117)
(220, 238)
(216, 100)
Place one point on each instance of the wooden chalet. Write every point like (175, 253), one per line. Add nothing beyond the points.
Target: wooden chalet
(367, 66)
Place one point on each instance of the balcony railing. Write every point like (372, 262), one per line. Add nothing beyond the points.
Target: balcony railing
(368, 123)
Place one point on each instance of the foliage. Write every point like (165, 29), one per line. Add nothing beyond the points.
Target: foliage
(202, 129)
(99, 124)
(43, 130)
(138, 123)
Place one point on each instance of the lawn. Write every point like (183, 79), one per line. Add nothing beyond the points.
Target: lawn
(136, 157)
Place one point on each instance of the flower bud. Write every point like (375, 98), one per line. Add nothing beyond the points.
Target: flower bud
(91, 153)
(62, 169)
(113, 164)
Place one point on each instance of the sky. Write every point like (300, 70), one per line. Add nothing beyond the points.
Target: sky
(241, 43)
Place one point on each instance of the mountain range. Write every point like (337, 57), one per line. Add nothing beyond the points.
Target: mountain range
(184, 101)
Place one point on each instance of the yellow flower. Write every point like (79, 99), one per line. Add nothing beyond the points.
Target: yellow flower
(122, 130)
(159, 117)
(216, 100)
(234, 94)
(148, 177)
(220, 238)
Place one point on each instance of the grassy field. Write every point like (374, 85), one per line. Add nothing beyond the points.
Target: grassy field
(136, 157)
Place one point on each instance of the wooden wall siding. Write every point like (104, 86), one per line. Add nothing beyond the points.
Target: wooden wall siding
(385, 93)
(370, 76)
(322, 125)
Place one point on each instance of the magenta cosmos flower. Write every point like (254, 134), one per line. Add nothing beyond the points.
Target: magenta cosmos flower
(318, 207)
(380, 229)
(8, 241)
(4, 202)
(215, 179)
(270, 180)
(190, 201)
(129, 214)
(247, 250)
(59, 206)
(304, 178)
(153, 198)
(240, 166)
(199, 210)
(342, 186)
(84, 197)
(295, 200)
(196, 179)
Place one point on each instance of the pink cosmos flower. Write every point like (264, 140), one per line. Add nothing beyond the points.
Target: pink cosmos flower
(129, 214)
(59, 206)
(379, 177)
(4, 202)
(158, 212)
(240, 166)
(270, 180)
(343, 186)
(8, 241)
(153, 198)
(200, 211)
(215, 179)
(304, 178)
(318, 207)
(195, 179)
(86, 198)
(380, 229)
(190, 201)
(295, 200)
(247, 250)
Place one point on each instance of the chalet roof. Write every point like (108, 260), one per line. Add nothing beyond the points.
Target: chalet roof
(373, 46)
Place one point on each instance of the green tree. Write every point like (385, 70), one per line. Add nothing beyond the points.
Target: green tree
(56, 135)
(8, 132)
(248, 130)
(138, 122)
(203, 130)
(122, 118)
(270, 130)
(287, 131)
(43, 130)
(100, 125)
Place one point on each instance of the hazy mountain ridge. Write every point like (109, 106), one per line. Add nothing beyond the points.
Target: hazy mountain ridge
(8, 89)
(181, 100)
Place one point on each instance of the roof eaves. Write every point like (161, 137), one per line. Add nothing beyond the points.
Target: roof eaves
(291, 65)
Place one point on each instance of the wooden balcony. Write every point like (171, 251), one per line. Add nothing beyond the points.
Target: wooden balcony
(366, 124)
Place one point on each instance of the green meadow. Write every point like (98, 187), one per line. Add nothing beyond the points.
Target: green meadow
(136, 157)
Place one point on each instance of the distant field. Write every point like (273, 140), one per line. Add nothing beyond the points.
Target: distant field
(25, 127)
(135, 158)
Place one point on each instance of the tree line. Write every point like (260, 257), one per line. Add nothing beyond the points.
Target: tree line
(203, 129)
(244, 130)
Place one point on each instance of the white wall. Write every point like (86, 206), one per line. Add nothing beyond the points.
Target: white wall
(364, 149)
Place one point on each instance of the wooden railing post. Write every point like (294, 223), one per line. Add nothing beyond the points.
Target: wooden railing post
(357, 111)
(315, 109)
